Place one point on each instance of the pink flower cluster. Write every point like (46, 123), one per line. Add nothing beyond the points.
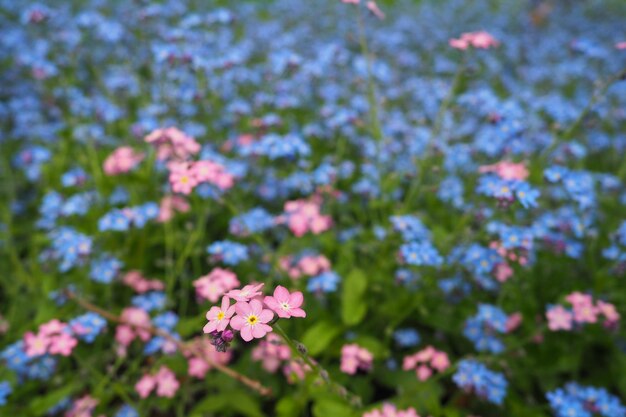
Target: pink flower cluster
(354, 358)
(390, 410)
(583, 311)
(425, 362)
(82, 407)
(122, 160)
(185, 176)
(217, 283)
(248, 315)
(307, 265)
(171, 143)
(503, 270)
(53, 337)
(171, 204)
(481, 40)
(198, 366)
(135, 280)
(620, 45)
(134, 325)
(302, 216)
(274, 353)
(164, 381)
(506, 170)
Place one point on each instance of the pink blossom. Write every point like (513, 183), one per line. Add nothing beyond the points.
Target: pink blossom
(138, 320)
(272, 351)
(251, 320)
(503, 272)
(578, 298)
(302, 216)
(284, 304)
(620, 45)
(36, 344)
(166, 381)
(122, 160)
(212, 286)
(124, 335)
(440, 361)
(52, 327)
(373, 7)
(63, 344)
(351, 1)
(355, 357)
(198, 366)
(423, 372)
(83, 407)
(513, 322)
(585, 313)
(182, 179)
(171, 204)
(390, 410)
(246, 293)
(559, 319)
(609, 312)
(171, 143)
(213, 173)
(219, 317)
(481, 40)
(145, 385)
(507, 170)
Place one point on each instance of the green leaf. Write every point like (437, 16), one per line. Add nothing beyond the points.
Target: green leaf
(353, 306)
(287, 407)
(318, 337)
(40, 405)
(326, 407)
(233, 400)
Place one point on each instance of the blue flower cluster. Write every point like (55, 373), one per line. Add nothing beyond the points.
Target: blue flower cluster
(575, 400)
(87, 326)
(474, 376)
(228, 252)
(482, 328)
(418, 249)
(122, 219)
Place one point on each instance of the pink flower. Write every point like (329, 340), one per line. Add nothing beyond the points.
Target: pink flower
(390, 410)
(171, 143)
(219, 317)
(559, 319)
(138, 320)
(284, 304)
(171, 204)
(351, 1)
(52, 327)
(145, 385)
(246, 293)
(62, 344)
(578, 298)
(507, 170)
(212, 286)
(620, 45)
(481, 39)
(166, 381)
(182, 179)
(197, 367)
(124, 335)
(373, 7)
(122, 160)
(503, 272)
(251, 320)
(36, 344)
(272, 351)
(423, 372)
(585, 313)
(354, 357)
(513, 322)
(440, 361)
(609, 312)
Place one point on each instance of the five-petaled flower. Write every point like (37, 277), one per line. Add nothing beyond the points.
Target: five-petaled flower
(251, 320)
(219, 317)
(285, 305)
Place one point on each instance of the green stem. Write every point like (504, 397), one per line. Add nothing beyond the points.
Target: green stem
(300, 350)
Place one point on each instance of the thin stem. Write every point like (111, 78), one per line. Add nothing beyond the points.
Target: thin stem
(299, 349)
(182, 346)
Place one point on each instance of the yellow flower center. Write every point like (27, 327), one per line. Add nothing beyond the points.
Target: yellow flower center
(504, 190)
(220, 315)
(184, 179)
(252, 319)
(285, 306)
